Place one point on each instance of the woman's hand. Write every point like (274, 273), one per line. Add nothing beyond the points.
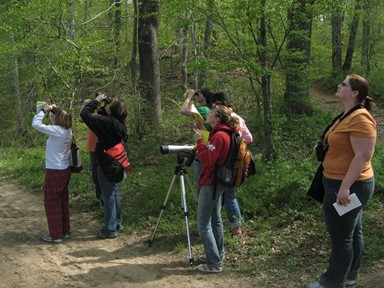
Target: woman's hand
(47, 108)
(197, 135)
(343, 197)
(100, 97)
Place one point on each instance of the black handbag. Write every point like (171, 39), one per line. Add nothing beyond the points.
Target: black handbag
(316, 190)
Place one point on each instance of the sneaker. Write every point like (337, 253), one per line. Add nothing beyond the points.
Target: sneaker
(47, 238)
(66, 235)
(350, 283)
(104, 236)
(209, 269)
(237, 231)
(119, 227)
(315, 285)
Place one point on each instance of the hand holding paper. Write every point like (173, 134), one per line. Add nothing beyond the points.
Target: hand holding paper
(355, 202)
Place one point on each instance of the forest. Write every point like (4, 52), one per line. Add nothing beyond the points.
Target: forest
(270, 57)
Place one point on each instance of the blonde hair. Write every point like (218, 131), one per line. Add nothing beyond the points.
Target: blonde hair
(225, 115)
(62, 118)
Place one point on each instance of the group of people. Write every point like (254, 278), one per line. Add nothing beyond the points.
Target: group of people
(220, 120)
(106, 130)
(347, 170)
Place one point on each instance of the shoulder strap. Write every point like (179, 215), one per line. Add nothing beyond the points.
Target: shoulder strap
(340, 117)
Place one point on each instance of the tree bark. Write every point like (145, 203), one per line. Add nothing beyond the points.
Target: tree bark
(365, 53)
(133, 61)
(269, 152)
(149, 61)
(207, 43)
(117, 23)
(337, 20)
(16, 90)
(352, 39)
(184, 59)
(298, 52)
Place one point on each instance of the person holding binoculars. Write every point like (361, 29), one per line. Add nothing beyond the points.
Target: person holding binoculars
(110, 129)
(57, 169)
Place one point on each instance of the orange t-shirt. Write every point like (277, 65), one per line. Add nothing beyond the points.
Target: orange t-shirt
(359, 124)
(91, 141)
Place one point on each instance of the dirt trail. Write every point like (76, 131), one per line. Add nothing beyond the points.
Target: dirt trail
(84, 261)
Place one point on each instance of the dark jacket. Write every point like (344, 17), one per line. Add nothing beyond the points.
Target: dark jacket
(108, 129)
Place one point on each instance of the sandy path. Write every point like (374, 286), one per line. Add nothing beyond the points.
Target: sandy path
(84, 261)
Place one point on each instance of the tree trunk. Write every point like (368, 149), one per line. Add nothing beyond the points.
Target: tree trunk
(117, 31)
(71, 20)
(269, 152)
(194, 47)
(352, 39)
(365, 36)
(149, 61)
(298, 52)
(337, 20)
(207, 42)
(16, 91)
(133, 61)
(184, 59)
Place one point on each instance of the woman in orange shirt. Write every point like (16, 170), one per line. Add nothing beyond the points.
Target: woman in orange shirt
(348, 170)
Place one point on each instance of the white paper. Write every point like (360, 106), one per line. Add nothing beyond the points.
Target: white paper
(355, 202)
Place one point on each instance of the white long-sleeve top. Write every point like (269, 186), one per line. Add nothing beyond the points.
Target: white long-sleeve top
(58, 144)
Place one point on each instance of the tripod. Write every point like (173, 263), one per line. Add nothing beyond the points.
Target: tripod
(181, 171)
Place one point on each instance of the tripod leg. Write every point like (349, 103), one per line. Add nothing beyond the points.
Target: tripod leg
(186, 218)
(192, 188)
(162, 210)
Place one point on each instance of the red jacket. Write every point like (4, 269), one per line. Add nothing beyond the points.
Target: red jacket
(214, 153)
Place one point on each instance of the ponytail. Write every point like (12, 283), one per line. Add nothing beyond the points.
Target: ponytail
(368, 103)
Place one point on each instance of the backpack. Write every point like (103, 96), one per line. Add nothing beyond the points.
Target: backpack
(238, 165)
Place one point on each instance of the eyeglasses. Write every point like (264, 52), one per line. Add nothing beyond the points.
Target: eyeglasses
(344, 84)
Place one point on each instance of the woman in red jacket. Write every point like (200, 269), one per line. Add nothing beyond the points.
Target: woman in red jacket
(210, 224)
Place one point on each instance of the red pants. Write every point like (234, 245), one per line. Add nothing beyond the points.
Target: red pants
(56, 201)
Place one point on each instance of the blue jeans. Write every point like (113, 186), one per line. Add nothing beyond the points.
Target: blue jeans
(196, 175)
(95, 179)
(112, 207)
(210, 224)
(346, 233)
(232, 208)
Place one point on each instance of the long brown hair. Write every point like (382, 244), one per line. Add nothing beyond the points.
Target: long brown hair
(117, 109)
(360, 84)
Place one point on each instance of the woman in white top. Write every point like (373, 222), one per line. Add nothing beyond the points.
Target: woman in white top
(57, 170)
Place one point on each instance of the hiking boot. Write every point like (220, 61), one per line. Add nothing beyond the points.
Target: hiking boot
(104, 236)
(47, 238)
(209, 269)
